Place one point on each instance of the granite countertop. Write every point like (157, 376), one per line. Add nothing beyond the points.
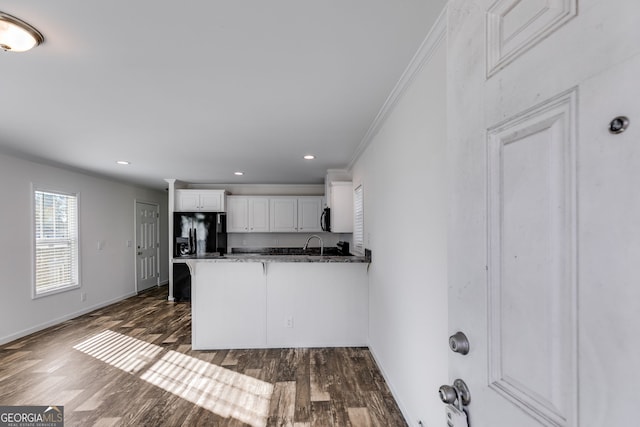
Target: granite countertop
(277, 255)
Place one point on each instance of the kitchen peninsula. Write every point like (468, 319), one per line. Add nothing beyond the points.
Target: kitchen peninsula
(270, 301)
(246, 295)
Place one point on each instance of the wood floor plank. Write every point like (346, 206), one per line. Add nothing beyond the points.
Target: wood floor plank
(152, 377)
(107, 422)
(282, 408)
(321, 414)
(359, 417)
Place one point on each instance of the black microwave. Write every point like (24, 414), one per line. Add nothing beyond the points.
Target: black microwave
(325, 220)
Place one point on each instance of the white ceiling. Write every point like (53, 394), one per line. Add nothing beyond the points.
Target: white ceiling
(196, 90)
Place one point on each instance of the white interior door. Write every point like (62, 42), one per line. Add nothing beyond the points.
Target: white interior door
(147, 245)
(545, 210)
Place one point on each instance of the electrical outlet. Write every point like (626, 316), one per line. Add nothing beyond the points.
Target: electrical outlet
(289, 322)
(83, 296)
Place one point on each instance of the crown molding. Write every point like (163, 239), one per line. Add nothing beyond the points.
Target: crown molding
(426, 50)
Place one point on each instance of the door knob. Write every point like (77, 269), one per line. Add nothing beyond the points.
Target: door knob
(458, 391)
(459, 343)
(448, 394)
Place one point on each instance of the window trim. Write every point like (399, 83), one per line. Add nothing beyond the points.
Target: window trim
(78, 283)
(358, 245)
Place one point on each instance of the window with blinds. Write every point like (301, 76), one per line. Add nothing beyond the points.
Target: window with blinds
(358, 221)
(56, 242)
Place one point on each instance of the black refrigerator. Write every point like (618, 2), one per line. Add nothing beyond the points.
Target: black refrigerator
(195, 234)
(199, 233)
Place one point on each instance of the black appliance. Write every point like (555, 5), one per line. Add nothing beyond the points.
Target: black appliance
(343, 248)
(325, 219)
(199, 233)
(181, 282)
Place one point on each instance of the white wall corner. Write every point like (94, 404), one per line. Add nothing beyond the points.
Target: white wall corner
(429, 45)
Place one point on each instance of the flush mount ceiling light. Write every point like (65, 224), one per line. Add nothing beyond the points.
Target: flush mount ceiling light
(123, 162)
(16, 35)
(309, 157)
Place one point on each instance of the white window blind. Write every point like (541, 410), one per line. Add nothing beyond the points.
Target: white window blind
(358, 220)
(56, 241)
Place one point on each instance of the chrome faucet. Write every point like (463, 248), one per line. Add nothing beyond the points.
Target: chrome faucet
(304, 248)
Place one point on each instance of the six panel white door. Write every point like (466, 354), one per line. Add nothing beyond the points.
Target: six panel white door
(147, 243)
(545, 206)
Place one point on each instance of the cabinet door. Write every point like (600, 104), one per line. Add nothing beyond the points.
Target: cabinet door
(309, 211)
(212, 201)
(284, 214)
(258, 214)
(237, 215)
(187, 201)
(342, 207)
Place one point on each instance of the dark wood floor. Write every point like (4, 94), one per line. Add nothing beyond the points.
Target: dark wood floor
(131, 364)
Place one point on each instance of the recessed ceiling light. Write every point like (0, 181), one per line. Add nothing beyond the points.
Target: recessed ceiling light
(123, 162)
(16, 35)
(238, 173)
(309, 157)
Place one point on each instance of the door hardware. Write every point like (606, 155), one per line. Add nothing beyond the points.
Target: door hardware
(618, 125)
(457, 391)
(459, 343)
(448, 394)
(455, 397)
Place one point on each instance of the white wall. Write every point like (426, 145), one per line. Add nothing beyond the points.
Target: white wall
(106, 213)
(403, 173)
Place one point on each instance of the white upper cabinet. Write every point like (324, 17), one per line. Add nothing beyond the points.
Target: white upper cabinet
(284, 214)
(200, 200)
(276, 214)
(247, 214)
(258, 214)
(341, 207)
(237, 214)
(309, 211)
(296, 214)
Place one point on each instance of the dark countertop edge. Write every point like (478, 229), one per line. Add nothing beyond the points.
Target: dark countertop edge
(277, 258)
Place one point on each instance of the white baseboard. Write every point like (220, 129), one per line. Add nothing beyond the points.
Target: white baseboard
(54, 322)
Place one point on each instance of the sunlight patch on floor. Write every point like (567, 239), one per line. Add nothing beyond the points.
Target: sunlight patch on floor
(222, 391)
(120, 351)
